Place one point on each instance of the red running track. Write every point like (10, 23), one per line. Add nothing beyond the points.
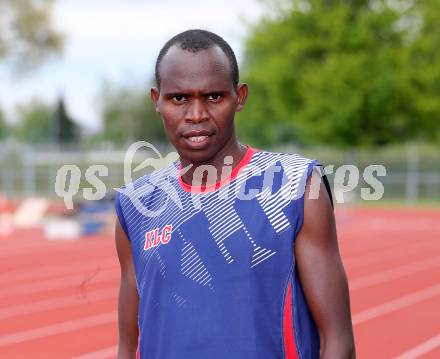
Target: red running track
(58, 298)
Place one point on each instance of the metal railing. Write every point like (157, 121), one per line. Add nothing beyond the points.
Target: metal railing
(412, 173)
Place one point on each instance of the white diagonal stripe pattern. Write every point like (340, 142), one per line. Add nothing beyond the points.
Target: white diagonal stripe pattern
(191, 265)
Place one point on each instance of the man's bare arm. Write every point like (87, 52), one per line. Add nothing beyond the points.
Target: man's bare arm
(128, 298)
(322, 275)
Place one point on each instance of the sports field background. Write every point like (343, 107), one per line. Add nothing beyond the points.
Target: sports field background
(58, 297)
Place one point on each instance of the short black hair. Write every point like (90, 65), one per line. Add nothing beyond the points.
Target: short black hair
(195, 41)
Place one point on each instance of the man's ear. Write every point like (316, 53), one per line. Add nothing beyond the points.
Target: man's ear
(242, 93)
(154, 94)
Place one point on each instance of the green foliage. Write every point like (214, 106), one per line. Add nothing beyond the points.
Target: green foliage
(424, 67)
(35, 122)
(340, 72)
(130, 116)
(63, 127)
(26, 33)
(3, 126)
(41, 123)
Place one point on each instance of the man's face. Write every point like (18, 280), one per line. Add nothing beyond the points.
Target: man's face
(197, 101)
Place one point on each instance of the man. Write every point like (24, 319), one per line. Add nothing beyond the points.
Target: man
(229, 253)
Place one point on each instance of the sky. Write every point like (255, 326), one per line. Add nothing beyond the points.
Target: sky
(117, 41)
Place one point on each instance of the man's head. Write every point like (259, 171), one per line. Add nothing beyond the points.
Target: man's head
(195, 41)
(198, 94)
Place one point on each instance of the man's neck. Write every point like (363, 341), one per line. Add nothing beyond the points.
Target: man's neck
(219, 167)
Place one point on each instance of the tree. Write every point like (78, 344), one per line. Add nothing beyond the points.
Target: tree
(64, 128)
(424, 67)
(129, 116)
(3, 126)
(35, 122)
(41, 123)
(26, 33)
(333, 72)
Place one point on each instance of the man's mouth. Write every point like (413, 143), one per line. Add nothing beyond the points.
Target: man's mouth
(197, 138)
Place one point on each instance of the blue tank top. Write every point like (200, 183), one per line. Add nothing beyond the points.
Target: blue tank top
(215, 268)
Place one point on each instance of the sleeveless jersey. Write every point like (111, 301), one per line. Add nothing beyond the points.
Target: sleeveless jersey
(215, 268)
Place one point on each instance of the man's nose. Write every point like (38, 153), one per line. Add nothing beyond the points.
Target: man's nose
(197, 111)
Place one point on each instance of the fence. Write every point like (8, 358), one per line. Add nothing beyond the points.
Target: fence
(412, 173)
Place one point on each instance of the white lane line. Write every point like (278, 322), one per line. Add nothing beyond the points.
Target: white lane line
(353, 261)
(57, 303)
(100, 354)
(396, 304)
(55, 270)
(394, 273)
(52, 249)
(55, 329)
(63, 282)
(421, 349)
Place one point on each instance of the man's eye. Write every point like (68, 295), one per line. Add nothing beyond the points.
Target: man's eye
(214, 97)
(178, 98)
